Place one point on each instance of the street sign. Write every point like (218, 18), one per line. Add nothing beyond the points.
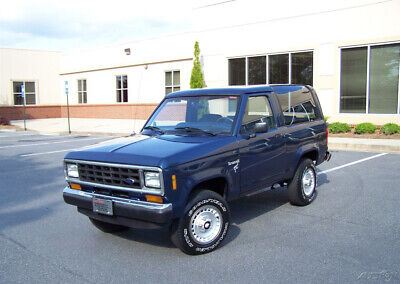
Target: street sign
(66, 92)
(23, 102)
(66, 87)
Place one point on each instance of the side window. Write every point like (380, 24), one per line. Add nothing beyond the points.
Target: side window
(122, 88)
(30, 93)
(258, 109)
(82, 91)
(298, 106)
(172, 81)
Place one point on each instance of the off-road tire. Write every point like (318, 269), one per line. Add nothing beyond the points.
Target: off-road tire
(295, 187)
(107, 227)
(182, 233)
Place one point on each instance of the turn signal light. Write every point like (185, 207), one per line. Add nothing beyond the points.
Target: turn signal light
(75, 186)
(327, 134)
(154, 198)
(173, 182)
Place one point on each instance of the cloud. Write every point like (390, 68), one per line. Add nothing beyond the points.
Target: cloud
(64, 25)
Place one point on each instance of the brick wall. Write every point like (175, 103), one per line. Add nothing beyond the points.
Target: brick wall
(31, 112)
(121, 111)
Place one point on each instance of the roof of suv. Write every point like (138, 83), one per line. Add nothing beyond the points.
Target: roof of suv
(279, 89)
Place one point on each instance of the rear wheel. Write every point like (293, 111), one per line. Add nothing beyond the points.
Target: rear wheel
(204, 225)
(302, 188)
(107, 227)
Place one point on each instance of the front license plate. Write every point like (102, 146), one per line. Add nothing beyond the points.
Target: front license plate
(102, 206)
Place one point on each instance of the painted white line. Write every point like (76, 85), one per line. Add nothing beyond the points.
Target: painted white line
(51, 152)
(327, 171)
(352, 163)
(48, 143)
(17, 135)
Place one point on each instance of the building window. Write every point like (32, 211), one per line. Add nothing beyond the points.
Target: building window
(122, 88)
(278, 67)
(172, 81)
(30, 94)
(353, 79)
(302, 68)
(384, 79)
(237, 71)
(286, 68)
(256, 70)
(82, 91)
(370, 79)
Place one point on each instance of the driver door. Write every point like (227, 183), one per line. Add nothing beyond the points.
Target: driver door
(261, 154)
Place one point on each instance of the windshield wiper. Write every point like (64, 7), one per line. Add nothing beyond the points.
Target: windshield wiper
(194, 129)
(154, 128)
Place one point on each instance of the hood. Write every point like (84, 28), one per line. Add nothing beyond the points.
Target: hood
(161, 151)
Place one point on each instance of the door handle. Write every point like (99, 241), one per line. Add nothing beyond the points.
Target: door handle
(312, 131)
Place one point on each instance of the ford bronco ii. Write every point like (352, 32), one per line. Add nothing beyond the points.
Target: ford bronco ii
(199, 150)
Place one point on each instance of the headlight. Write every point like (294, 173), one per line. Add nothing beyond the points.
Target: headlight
(72, 171)
(152, 179)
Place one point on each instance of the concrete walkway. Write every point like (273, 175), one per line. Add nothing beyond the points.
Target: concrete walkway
(120, 127)
(83, 125)
(365, 145)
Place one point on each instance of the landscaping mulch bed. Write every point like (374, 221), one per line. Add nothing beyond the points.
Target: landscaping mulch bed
(376, 135)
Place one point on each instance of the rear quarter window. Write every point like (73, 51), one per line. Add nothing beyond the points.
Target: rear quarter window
(298, 105)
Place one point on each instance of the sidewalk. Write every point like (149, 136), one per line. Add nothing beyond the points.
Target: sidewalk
(120, 127)
(93, 126)
(364, 145)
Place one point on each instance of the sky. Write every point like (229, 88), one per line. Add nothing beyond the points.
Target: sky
(69, 25)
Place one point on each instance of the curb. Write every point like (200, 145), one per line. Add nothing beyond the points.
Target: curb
(358, 147)
(55, 132)
(94, 133)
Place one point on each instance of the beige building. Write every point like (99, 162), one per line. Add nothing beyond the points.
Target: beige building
(348, 50)
(39, 72)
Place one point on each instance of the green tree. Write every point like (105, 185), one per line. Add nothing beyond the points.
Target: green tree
(197, 79)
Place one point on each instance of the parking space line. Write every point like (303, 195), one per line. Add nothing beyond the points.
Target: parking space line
(329, 170)
(48, 143)
(18, 135)
(51, 152)
(352, 163)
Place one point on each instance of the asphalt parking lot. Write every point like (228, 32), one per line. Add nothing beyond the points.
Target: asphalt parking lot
(350, 233)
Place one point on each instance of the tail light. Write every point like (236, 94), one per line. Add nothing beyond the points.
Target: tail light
(327, 132)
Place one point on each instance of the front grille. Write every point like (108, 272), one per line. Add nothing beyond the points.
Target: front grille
(109, 175)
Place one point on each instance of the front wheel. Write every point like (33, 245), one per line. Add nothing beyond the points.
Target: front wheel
(204, 225)
(302, 188)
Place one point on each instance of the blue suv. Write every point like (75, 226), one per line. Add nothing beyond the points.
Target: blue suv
(199, 150)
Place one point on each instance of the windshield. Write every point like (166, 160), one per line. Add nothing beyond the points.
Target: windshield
(202, 114)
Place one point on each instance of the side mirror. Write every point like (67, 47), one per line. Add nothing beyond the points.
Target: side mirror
(261, 127)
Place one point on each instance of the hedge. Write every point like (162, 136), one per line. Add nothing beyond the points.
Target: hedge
(338, 127)
(365, 127)
(390, 128)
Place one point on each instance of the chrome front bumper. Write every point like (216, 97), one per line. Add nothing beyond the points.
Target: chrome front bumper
(131, 213)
